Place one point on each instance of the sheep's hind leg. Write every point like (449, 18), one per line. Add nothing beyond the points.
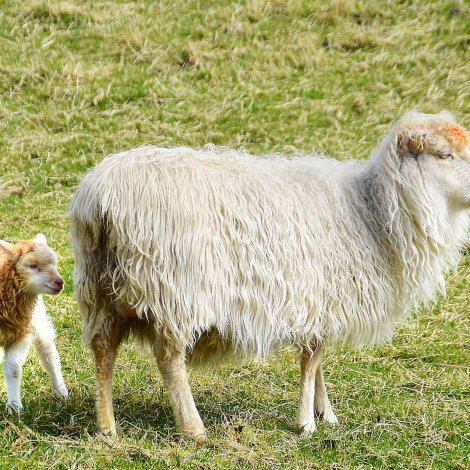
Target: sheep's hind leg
(172, 365)
(322, 406)
(15, 357)
(104, 345)
(47, 351)
(309, 364)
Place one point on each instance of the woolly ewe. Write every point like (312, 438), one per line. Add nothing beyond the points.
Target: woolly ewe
(207, 253)
(28, 269)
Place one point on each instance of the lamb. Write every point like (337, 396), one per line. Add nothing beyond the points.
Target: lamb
(28, 269)
(205, 254)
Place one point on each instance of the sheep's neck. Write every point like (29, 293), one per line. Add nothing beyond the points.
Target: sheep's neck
(16, 307)
(417, 250)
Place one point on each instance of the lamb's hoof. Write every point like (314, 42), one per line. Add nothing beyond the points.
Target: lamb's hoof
(61, 392)
(327, 416)
(331, 418)
(307, 428)
(14, 407)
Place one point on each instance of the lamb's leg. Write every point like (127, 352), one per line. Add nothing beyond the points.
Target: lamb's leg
(104, 346)
(46, 348)
(15, 357)
(322, 405)
(309, 364)
(172, 366)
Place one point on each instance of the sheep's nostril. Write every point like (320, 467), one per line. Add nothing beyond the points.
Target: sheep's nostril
(59, 283)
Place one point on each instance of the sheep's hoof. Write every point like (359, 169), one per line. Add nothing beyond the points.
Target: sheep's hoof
(199, 437)
(107, 437)
(61, 392)
(308, 428)
(14, 408)
(107, 433)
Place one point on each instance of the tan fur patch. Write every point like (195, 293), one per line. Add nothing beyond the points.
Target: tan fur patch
(15, 310)
(23, 247)
(457, 136)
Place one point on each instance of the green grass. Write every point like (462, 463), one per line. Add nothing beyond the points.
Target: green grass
(80, 80)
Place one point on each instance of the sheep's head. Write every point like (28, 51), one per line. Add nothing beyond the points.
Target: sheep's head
(441, 147)
(36, 265)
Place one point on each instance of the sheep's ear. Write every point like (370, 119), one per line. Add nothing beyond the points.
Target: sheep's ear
(411, 142)
(41, 239)
(6, 248)
(448, 116)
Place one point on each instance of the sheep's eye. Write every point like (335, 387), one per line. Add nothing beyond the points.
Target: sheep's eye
(32, 266)
(446, 155)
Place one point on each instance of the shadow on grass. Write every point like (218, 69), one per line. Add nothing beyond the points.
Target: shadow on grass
(137, 413)
(45, 415)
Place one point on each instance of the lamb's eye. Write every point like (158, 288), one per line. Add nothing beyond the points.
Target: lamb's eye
(33, 266)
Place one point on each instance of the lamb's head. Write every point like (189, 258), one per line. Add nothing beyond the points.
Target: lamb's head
(36, 265)
(441, 149)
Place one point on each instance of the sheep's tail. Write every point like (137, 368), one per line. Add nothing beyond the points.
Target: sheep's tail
(85, 242)
(88, 239)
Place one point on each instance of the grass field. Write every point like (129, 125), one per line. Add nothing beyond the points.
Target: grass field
(83, 79)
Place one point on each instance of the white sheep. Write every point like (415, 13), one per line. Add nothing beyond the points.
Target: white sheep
(28, 269)
(213, 252)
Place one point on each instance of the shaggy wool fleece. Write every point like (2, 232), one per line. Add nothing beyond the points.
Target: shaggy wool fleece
(258, 252)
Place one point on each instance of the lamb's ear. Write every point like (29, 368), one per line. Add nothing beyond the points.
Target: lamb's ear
(411, 142)
(5, 248)
(41, 239)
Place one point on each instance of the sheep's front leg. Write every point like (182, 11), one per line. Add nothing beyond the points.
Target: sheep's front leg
(104, 346)
(309, 364)
(323, 408)
(15, 357)
(172, 366)
(47, 351)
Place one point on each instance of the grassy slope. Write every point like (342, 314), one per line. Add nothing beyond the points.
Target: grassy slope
(81, 79)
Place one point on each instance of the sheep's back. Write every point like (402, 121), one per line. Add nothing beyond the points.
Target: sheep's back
(257, 249)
